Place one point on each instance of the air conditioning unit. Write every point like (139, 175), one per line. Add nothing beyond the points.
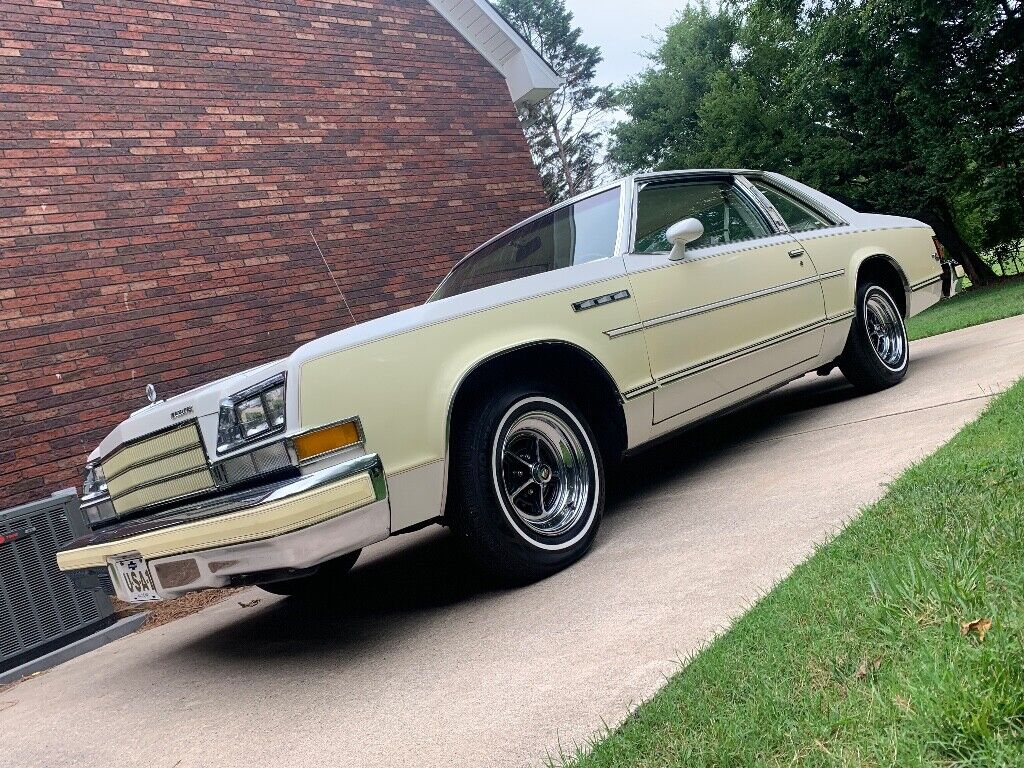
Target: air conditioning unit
(40, 609)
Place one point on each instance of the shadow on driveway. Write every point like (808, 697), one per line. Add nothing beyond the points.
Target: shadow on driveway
(394, 595)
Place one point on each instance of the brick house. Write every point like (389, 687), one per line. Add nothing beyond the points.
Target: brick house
(163, 162)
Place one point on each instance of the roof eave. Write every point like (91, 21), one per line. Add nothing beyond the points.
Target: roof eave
(529, 77)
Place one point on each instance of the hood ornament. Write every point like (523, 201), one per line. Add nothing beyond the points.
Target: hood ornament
(151, 393)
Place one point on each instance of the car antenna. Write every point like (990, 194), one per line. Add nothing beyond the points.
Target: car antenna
(333, 278)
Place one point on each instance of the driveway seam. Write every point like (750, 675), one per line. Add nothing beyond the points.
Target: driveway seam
(877, 418)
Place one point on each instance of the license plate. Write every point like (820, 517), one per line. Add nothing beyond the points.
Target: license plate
(134, 580)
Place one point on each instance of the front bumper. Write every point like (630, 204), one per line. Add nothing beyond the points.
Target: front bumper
(274, 531)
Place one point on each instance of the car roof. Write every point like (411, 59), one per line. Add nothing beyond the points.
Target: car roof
(636, 177)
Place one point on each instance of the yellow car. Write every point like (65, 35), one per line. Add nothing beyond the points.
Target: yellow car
(548, 353)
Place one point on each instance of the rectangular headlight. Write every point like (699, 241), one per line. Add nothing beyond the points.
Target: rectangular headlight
(252, 414)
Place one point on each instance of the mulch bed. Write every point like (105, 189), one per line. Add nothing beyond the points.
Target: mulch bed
(167, 611)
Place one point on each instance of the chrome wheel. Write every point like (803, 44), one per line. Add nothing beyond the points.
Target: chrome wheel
(885, 330)
(543, 473)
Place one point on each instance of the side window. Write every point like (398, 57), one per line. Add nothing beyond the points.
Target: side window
(726, 215)
(798, 217)
(572, 234)
(589, 228)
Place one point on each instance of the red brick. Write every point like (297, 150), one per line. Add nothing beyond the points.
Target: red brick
(180, 192)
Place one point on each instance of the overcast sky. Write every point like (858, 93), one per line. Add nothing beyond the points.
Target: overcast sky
(621, 28)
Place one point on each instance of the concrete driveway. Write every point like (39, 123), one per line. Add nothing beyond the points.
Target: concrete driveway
(417, 666)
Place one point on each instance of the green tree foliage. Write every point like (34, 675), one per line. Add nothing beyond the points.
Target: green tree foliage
(912, 107)
(564, 130)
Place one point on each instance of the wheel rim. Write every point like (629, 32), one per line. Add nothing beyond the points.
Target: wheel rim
(543, 474)
(885, 330)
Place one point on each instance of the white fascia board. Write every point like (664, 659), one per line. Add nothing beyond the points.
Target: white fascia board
(530, 79)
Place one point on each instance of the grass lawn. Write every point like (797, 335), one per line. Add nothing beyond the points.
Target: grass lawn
(972, 307)
(866, 655)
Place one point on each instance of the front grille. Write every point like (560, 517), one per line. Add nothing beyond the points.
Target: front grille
(38, 604)
(157, 469)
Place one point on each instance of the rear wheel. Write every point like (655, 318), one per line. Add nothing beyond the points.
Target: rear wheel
(326, 581)
(530, 483)
(877, 352)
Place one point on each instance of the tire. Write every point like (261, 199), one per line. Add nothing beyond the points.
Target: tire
(326, 581)
(877, 351)
(524, 509)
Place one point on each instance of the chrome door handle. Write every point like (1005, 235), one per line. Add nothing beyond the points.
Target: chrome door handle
(797, 253)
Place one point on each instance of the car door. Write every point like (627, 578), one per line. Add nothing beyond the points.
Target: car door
(742, 308)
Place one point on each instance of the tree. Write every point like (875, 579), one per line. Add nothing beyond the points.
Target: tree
(564, 130)
(663, 103)
(904, 107)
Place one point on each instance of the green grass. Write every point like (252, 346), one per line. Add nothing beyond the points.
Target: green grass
(972, 307)
(857, 658)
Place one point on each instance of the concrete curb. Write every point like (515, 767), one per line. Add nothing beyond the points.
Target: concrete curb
(117, 630)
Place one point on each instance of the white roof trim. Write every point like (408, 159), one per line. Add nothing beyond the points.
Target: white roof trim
(530, 79)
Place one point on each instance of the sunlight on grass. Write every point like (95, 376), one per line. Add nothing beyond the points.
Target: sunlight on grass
(972, 307)
(861, 657)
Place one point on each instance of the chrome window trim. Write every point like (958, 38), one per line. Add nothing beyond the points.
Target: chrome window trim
(621, 184)
(825, 212)
(704, 308)
(697, 177)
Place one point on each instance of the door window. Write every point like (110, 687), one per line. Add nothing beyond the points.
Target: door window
(798, 217)
(726, 215)
(572, 234)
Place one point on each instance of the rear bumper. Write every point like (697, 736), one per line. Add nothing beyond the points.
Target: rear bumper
(287, 528)
(951, 273)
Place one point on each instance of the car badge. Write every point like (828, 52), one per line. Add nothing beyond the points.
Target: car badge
(151, 393)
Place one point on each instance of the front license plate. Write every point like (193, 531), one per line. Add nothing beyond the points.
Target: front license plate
(133, 579)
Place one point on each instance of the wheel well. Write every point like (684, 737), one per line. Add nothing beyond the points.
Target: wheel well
(883, 271)
(562, 365)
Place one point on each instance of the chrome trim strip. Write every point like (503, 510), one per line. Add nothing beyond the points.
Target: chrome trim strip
(926, 283)
(94, 499)
(742, 352)
(733, 391)
(704, 308)
(638, 391)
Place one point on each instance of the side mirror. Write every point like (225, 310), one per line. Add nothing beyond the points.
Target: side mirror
(681, 233)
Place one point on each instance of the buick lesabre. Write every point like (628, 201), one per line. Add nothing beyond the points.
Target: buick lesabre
(495, 408)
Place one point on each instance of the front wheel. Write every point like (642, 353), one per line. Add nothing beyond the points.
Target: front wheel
(877, 352)
(530, 483)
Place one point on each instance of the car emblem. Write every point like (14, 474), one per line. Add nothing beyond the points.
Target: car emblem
(186, 411)
(151, 393)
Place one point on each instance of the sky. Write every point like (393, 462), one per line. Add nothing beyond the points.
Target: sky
(622, 28)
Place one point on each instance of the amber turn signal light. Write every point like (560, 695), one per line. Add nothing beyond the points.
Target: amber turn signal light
(314, 444)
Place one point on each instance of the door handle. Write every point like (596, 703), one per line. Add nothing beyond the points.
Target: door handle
(797, 253)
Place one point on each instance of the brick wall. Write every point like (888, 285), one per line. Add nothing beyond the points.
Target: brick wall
(162, 164)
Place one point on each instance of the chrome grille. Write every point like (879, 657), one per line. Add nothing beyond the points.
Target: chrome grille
(156, 469)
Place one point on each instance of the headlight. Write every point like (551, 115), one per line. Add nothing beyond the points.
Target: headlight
(252, 414)
(94, 482)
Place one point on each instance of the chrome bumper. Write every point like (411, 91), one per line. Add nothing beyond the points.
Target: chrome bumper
(271, 559)
(255, 558)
